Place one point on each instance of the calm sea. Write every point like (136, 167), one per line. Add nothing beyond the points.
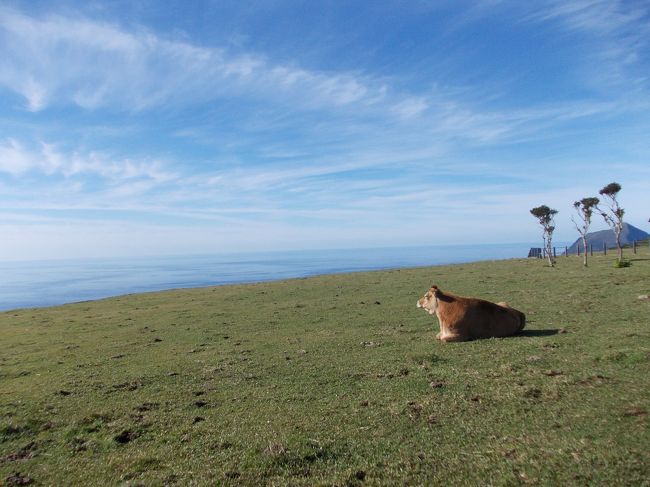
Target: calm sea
(47, 283)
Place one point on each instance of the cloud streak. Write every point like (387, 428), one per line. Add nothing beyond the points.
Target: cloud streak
(58, 60)
(618, 31)
(17, 160)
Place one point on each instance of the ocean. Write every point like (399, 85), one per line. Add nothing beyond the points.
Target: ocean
(46, 283)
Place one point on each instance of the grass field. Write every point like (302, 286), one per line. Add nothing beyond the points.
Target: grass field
(335, 380)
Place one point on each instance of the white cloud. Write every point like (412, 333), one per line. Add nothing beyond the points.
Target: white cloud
(16, 160)
(54, 60)
(604, 16)
(411, 107)
(619, 37)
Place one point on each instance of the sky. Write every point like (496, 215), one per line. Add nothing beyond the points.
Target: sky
(142, 127)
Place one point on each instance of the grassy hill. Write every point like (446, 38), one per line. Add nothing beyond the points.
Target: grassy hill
(335, 380)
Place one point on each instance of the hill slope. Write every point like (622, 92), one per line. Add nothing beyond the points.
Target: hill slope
(334, 380)
(629, 234)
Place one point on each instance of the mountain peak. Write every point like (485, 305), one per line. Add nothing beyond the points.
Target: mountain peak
(629, 234)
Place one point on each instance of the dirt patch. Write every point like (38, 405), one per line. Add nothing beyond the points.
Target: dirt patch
(79, 444)
(10, 430)
(553, 373)
(533, 393)
(125, 436)
(129, 386)
(147, 406)
(17, 478)
(413, 410)
(222, 445)
(635, 412)
(25, 453)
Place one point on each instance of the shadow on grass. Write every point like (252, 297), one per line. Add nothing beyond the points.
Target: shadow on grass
(537, 333)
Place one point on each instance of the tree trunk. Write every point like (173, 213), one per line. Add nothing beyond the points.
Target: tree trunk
(549, 252)
(617, 231)
(584, 244)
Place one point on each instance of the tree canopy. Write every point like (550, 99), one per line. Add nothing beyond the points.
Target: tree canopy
(611, 189)
(543, 213)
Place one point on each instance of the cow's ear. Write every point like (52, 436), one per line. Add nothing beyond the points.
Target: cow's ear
(435, 290)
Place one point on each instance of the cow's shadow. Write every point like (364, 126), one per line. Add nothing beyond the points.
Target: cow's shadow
(537, 333)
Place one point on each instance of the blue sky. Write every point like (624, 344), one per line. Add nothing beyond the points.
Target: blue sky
(147, 127)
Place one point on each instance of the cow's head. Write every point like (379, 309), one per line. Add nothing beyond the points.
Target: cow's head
(430, 300)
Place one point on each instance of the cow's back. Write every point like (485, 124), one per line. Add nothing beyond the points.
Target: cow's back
(491, 320)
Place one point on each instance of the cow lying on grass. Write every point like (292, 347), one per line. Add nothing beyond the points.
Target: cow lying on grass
(464, 319)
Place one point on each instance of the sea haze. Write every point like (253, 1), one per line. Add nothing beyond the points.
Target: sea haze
(48, 283)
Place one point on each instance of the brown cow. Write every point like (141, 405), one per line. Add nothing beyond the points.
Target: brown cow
(464, 319)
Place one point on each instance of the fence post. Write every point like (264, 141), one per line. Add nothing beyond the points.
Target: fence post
(578, 249)
(554, 253)
(604, 248)
(566, 251)
(591, 249)
(634, 247)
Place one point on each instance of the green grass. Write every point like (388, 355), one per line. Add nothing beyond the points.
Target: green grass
(335, 380)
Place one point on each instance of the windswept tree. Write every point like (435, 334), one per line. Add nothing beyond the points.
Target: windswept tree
(613, 214)
(544, 216)
(585, 208)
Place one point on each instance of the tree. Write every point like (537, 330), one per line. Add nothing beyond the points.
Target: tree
(613, 215)
(544, 216)
(584, 207)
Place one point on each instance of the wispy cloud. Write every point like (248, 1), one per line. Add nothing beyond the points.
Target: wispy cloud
(55, 60)
(60, 60)
(619, 37)
(604, 16)
(17, 159)
(411, 107)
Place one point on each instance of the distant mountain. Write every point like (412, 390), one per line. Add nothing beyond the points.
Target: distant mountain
(629, 234)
